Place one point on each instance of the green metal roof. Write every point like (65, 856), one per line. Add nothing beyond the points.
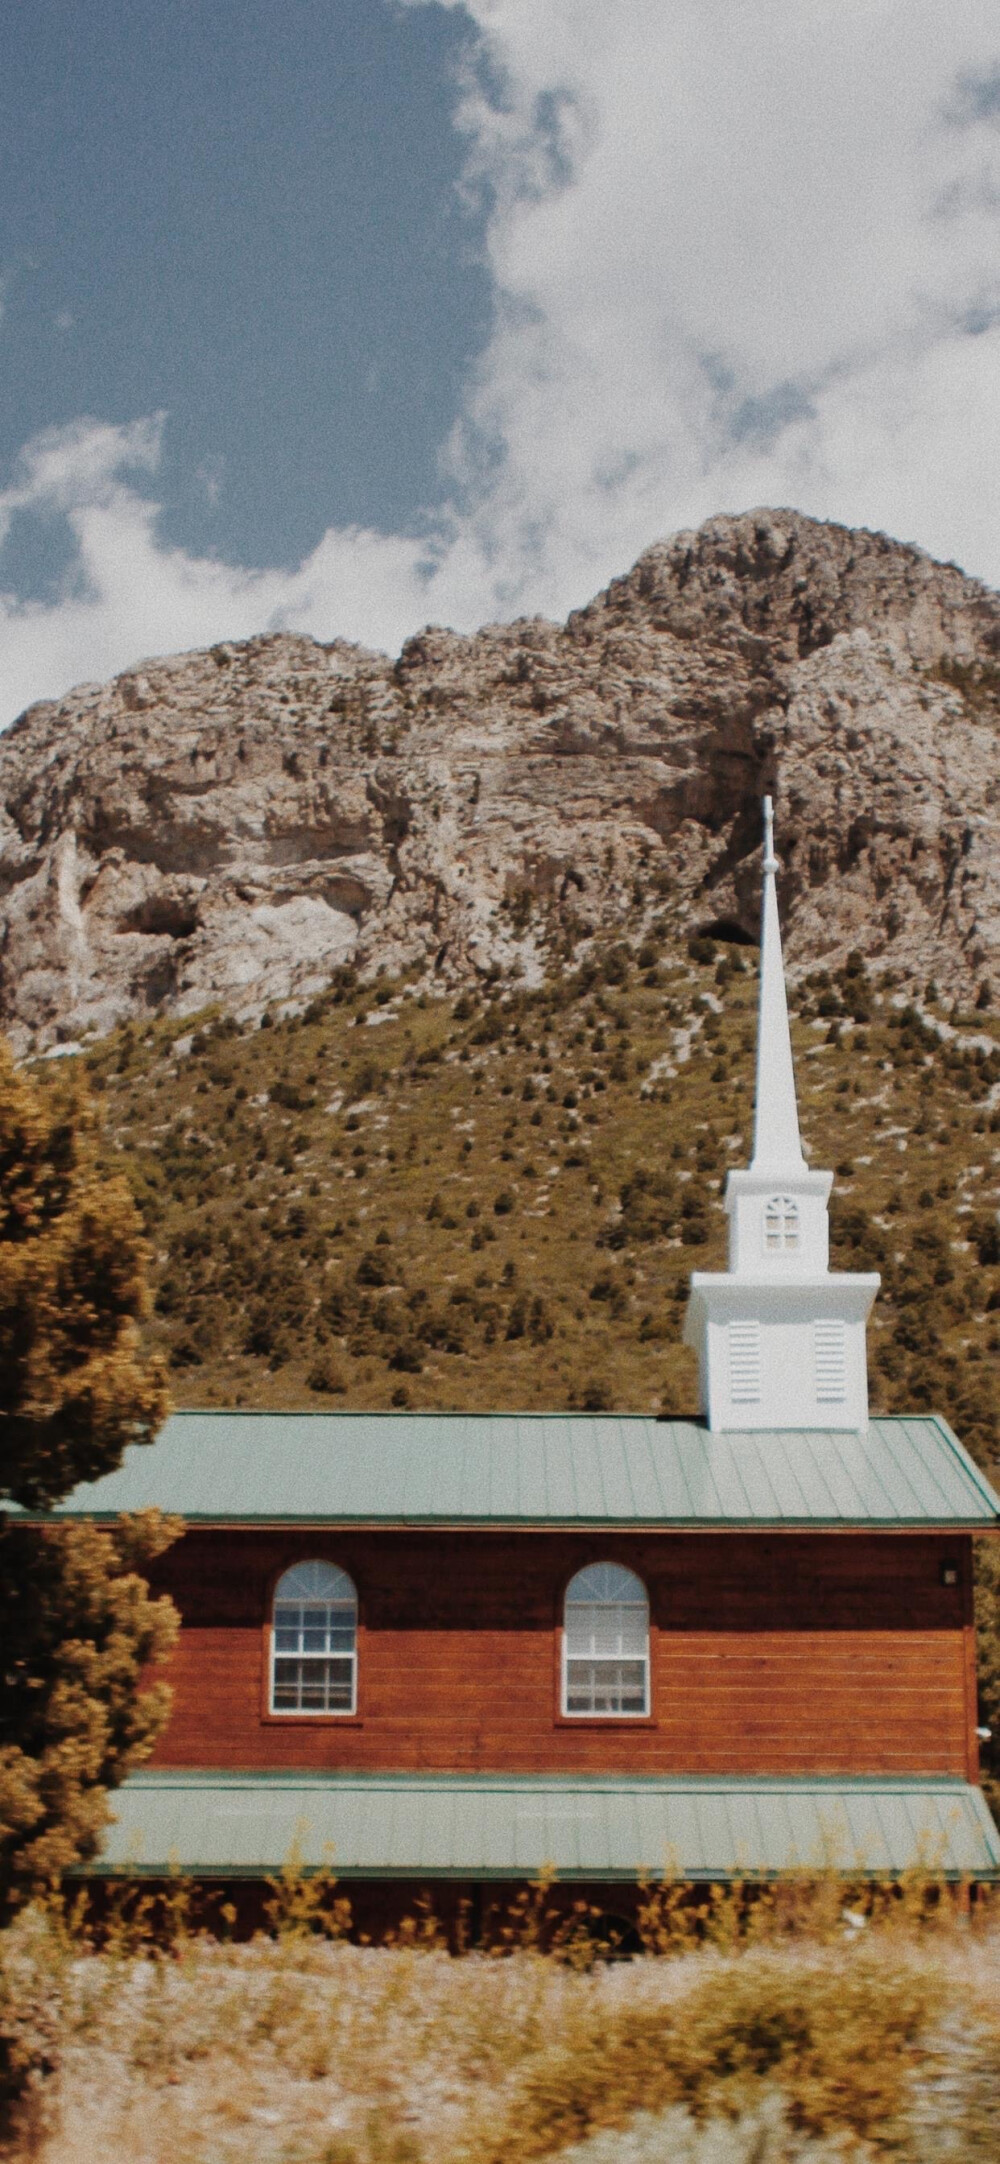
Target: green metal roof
(541, 1469)
(494, 1827)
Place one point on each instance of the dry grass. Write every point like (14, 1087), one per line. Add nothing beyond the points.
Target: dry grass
(299, 2051)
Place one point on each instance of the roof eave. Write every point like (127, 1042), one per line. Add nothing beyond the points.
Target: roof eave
(446, 1523)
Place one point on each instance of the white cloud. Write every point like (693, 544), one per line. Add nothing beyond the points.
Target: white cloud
(740, 254)
(128, 595)
(770, 210)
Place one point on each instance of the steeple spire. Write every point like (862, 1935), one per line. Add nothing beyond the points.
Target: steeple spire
(776, 1145)
(780, 1336)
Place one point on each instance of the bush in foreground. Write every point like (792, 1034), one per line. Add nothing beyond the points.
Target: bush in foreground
(303, 2051)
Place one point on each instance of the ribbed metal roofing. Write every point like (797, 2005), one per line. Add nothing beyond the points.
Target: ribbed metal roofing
(488, 1827)
(541, 1469)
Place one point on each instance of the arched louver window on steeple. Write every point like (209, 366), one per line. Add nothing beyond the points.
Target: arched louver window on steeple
(606, 1642)
(781, 1225)
(314, 1634)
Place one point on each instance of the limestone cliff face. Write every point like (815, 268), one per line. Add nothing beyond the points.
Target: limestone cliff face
(230, 826)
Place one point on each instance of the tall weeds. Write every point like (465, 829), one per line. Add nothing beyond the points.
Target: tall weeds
(789, 2013)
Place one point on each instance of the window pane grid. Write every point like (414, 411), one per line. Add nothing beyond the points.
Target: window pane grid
(606, 1687)
(606, 1643)
(606, 1632)
(781, 1223)
(313, 1686)
(314, 1641)
(301, 1629)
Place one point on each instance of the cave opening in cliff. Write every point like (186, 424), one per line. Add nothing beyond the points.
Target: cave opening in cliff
(729, 930)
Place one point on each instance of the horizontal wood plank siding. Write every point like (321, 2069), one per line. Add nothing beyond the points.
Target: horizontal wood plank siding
(782, 1655)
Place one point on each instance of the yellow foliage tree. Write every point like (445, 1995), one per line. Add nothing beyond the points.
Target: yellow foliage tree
(77, 1624)
(78, 1628)
(74, 1385)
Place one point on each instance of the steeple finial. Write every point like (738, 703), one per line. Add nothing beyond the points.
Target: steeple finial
(776, 1144)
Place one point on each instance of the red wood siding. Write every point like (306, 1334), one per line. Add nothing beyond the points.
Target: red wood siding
(783, 1655)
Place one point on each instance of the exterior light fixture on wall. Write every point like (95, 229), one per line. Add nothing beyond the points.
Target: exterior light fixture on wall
(949, 1574)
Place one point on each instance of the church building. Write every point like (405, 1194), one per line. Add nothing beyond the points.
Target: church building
(444, 1651)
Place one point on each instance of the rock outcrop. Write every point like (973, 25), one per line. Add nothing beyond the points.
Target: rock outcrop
(230, 826)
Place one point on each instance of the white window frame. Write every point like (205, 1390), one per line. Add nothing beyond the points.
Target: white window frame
(782, 1230)
(324, 1595)
(608, 1583)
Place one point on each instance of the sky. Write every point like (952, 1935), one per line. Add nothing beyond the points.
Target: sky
(346, 316)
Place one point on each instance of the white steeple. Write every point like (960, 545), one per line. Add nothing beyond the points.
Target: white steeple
(776, 1145)
(780, 1338)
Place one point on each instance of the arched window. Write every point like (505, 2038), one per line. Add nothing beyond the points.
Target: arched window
(781, 1224)
(314, 1641)
(606, 1642)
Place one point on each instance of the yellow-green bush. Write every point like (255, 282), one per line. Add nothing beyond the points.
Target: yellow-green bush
(836, 2038)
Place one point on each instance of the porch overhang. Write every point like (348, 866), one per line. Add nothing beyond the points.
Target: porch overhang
(211, 1826)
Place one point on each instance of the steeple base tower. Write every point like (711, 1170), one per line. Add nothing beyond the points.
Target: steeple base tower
(783, 1355)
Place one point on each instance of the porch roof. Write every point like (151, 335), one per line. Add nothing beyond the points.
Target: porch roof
(226, 1825)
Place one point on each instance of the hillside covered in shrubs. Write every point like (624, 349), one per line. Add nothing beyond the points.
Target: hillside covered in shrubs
(497, 1200)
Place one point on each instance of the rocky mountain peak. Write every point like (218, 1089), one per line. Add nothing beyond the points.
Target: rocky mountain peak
(232, 825)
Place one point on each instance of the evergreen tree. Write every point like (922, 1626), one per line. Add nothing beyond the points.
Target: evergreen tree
(77, 1625)
(74, 1386)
